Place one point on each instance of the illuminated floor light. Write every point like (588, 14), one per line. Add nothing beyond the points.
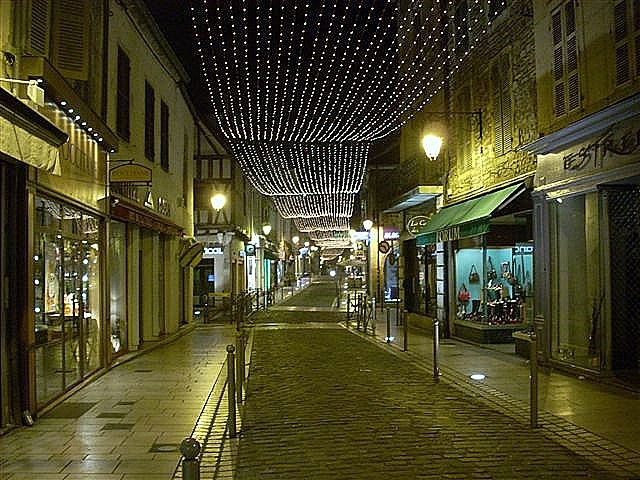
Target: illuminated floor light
(478, 376)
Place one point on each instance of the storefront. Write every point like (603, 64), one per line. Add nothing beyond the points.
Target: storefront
(587, 199)
(489, 245)
(67, 296)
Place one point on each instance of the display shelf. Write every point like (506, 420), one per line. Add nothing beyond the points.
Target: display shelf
(485, 333)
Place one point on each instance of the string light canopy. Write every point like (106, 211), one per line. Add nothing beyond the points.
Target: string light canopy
(301, 89)
(321, 224)
(312, 206)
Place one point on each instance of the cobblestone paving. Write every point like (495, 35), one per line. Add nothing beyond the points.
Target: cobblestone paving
(319, 294)
(323, 403)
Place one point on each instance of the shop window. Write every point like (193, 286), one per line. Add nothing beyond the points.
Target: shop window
(566, 81)
(67, 297)
(118, 284)
(575, 329)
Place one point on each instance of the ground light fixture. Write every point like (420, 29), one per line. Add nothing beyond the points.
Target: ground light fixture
(477, 376)
(432, 144)
(218, 201)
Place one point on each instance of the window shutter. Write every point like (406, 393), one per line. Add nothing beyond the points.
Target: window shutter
(622, 64)
(498, 141)
(636, 15)
(71, 23)
(638, 56)
(39, 28)
(506, 104)
(620, 21)
(559, 99)
(149, 122)
(123, 95)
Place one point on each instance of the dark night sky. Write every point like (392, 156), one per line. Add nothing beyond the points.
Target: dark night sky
(175, 22)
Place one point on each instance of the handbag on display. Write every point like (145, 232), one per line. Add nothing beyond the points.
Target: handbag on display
(491, 272)
(474, 276)
(463, 294)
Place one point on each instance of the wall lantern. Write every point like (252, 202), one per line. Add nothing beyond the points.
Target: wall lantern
(218, 201)
(266, 229)
(431, 145)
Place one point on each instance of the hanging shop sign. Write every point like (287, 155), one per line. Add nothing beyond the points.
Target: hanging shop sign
(250, 250)
(391, 235)
(210, 252)
(416, 224)
(384, 246)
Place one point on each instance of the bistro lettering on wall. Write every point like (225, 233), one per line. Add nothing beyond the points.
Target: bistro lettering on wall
(595, 153)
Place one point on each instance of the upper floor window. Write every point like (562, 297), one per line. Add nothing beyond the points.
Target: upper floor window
(626, 17)
(164, 135)
(149, 121)
(123, 95)
(501, 101)
(566, 80)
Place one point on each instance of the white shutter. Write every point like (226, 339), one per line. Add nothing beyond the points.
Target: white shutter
(71, 38)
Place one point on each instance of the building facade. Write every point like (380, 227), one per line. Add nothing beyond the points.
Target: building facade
(586, 185)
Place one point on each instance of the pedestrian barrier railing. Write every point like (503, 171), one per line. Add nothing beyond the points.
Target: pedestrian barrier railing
(361, 308)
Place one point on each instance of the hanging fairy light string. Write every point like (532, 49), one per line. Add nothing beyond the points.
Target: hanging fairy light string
(339, 205)
(286, 79)
(322, 223)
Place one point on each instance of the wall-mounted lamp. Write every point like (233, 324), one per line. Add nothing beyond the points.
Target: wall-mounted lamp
(266, 229)
(431, 145)
(295, 239)
(218, 201)
(367, 224)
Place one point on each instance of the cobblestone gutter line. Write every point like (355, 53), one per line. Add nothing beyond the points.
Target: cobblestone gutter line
(602, 452)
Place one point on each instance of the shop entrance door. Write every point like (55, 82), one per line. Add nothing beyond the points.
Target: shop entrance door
(624, 239)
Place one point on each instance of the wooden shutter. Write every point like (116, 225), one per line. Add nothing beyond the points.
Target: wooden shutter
(123, 123)
(558, 64)
(623, 72)
(164, 135)
(501, 86)
(566, 88)
(149, 121)
(70, 43)
(39, 28)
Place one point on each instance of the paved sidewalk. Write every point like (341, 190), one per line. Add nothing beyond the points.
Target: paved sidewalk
(127, 425)
(323, 403)
(608, 411)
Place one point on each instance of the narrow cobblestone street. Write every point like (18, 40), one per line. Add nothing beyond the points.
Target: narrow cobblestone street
(322, 403)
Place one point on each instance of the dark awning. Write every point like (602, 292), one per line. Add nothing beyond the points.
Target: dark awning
(468, 218)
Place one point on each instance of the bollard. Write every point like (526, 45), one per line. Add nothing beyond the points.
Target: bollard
(257, 299)
(375, 317)
(231, 390)
(348, 309)
(388, 325)
(436, 349)
(239, 366)
(190, 449)
(358, 311)
(405, 328)
(533, 380)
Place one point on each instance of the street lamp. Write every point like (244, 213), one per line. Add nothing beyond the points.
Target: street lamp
(266, 229)
(218, 201)
(367, 224)
(431, 144)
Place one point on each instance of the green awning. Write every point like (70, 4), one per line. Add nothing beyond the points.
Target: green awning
(468, 218)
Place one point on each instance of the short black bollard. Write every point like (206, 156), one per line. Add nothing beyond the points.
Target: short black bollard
(190, 449)
(388, 325)
(348, 309)
(405, 328)
(231, 390)
(533, 380)
(436, 349)
(240, 346)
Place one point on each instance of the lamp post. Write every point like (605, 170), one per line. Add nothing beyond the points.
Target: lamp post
(367, 224)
